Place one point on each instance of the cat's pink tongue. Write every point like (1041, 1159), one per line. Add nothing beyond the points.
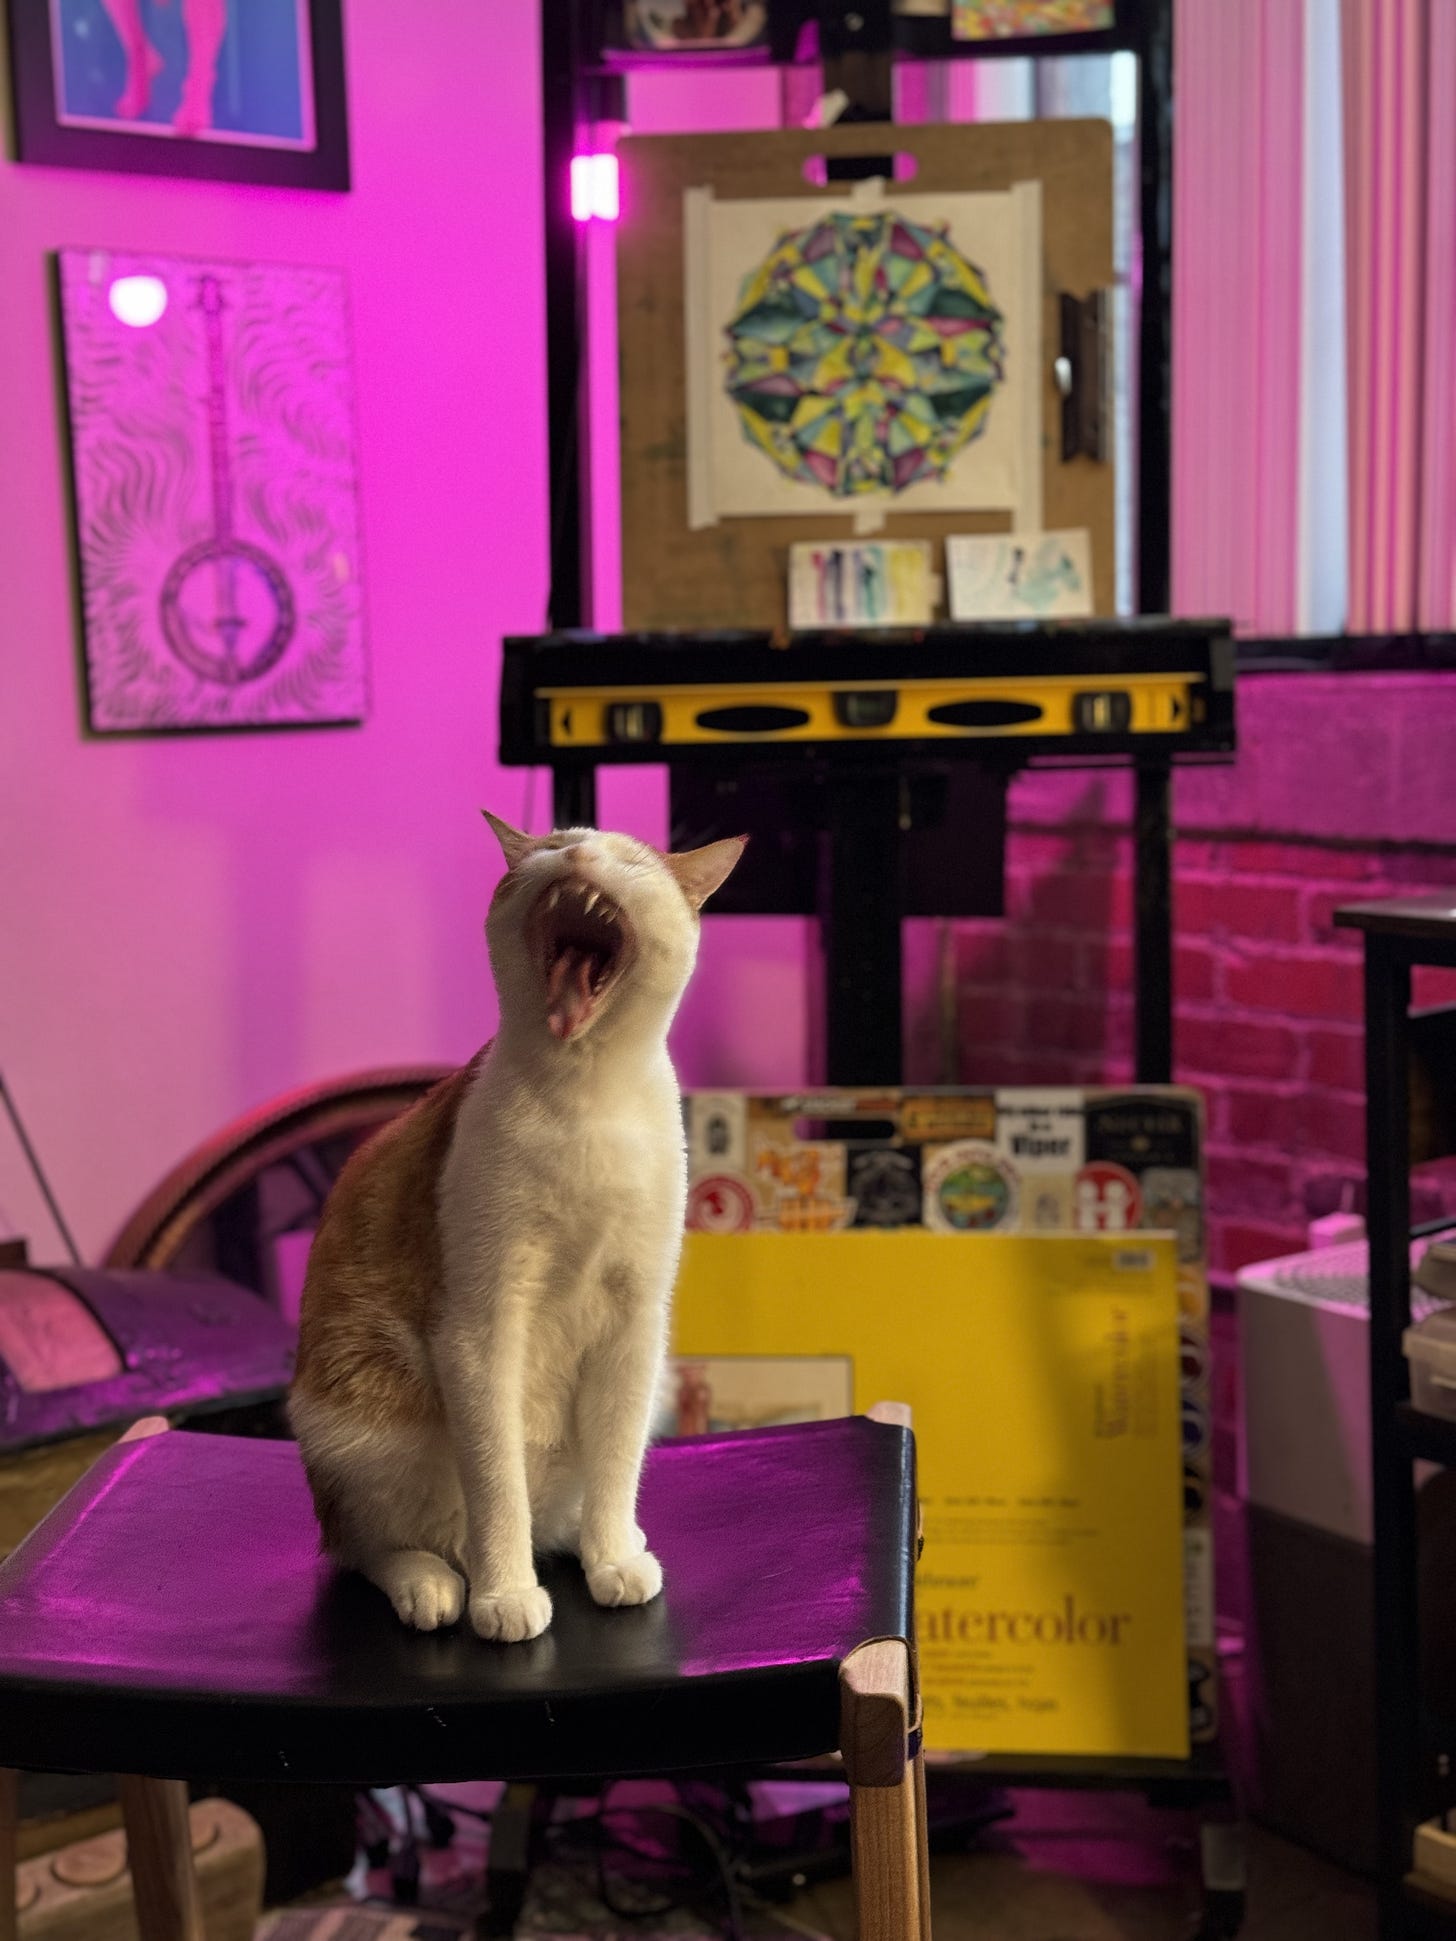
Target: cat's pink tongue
(569, 992)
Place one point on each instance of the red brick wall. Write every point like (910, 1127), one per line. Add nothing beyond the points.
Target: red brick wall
(1268, 997)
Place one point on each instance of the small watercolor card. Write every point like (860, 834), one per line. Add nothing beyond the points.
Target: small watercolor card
(1020, 575)
(866, 583)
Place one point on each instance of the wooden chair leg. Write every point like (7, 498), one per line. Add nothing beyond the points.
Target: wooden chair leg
(159, 1851)
(922, 1844)
(886, 1821)
(9, 1857)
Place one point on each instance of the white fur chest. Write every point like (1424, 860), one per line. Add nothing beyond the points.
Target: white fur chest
(589, 1166)
(564, 1205)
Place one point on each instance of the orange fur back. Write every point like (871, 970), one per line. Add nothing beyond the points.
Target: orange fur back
(374, 1268)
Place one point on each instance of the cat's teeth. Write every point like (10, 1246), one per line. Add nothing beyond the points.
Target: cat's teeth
(554, 898)
(609, 915)
(591, 897)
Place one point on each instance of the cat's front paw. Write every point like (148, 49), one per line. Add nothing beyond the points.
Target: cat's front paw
(426, 1593)
(509, 1617)
(636, 1580)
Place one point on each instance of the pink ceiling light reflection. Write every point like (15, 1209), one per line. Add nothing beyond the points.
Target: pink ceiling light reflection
(595, 190)
(137, 300)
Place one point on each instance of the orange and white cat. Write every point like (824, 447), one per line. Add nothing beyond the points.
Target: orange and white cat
(485, 1312)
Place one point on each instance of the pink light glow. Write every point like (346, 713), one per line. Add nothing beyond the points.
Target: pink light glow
(137, 300)
(595, 192)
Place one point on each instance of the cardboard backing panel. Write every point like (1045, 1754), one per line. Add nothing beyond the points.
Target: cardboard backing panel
(735, 573)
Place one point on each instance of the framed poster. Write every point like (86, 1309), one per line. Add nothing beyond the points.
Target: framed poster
(637, 34)
(1039, 26)
(213, 461)
(234, 90)
(972, 29)
(689, 26)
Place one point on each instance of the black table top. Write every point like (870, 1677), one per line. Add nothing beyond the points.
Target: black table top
(172, 1615)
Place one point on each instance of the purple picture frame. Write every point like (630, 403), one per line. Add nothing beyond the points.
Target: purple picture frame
(214, 472)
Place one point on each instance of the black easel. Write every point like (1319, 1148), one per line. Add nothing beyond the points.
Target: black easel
(862, 857)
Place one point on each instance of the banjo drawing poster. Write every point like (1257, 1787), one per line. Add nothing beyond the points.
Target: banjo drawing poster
(868, 354)
(213, 447)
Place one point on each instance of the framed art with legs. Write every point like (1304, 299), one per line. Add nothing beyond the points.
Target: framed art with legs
(215, 492)
(236, 90)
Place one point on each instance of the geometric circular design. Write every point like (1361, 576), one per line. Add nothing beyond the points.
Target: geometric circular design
(227, 611)
(864, 353)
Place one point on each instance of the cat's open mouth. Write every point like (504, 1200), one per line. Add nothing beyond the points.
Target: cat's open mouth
(585, 944)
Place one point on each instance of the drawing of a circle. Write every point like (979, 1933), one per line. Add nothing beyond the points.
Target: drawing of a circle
(863, 353)
(227, 611)
(720, 1203)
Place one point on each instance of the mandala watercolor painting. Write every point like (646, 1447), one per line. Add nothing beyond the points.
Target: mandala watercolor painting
(864, 353)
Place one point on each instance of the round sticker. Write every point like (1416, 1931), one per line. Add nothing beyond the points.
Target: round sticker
(1192, 1356)
(1107, 1198)
(969, 1188)
(885, 1185)
(720, 1203)
(1195, 1429)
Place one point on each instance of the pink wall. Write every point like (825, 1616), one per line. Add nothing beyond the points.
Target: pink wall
(188, 927)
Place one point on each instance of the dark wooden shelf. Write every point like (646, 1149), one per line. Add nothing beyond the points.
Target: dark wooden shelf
(1422, 919)
(1346, 654)
(1429, 1916)
(1200, 1779)
(1399, 934)
(1184, 1782)
(1430, 1437)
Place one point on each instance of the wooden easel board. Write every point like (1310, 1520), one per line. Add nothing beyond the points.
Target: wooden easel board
(734, 573)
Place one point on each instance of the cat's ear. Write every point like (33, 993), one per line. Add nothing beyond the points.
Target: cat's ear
(515, 844)
(701, 871)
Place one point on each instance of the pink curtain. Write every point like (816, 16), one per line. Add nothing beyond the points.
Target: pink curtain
(1237, 227)
(1436, 586)
(1399, 67)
